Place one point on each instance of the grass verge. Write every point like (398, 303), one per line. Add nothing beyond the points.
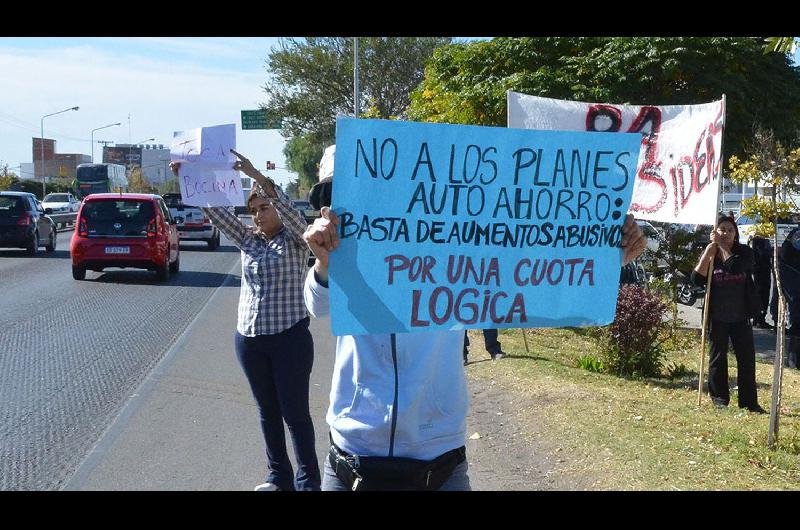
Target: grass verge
(647, 434)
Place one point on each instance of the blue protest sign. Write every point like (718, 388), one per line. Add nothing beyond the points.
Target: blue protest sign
(455, 226)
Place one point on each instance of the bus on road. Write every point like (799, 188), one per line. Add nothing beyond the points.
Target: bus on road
(101, 178)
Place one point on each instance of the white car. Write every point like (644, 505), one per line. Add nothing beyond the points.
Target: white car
(747, 225)
(61, 203)
(192, 224)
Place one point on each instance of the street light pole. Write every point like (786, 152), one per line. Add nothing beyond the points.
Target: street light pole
(44, 187)
(103, 127)
(356, 72)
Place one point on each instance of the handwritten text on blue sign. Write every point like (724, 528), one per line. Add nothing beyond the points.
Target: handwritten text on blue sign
(453, 227)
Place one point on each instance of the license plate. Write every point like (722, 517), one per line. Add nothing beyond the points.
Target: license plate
(118, 250)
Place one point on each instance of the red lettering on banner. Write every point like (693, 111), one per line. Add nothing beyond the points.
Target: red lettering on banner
(685, 175)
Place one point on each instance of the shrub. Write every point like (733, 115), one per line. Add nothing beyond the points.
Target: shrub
(675, 370)
(591, 363)
(630, 346)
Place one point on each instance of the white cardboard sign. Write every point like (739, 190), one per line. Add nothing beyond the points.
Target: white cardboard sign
(206, 175)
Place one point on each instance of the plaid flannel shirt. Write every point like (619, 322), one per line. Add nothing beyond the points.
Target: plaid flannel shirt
(273, 270)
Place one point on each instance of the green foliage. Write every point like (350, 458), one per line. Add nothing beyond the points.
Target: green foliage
(303, 154)
(311, 80)
(591, 363)
(6, 181)
(780, 44)
(676, 370)
(678, 250)
(170, 186)
(774, 167)
(138, 183)
(467, 82)
(12, 182)
(293, 189)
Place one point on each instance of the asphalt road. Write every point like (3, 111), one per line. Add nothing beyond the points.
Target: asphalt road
(72, 353)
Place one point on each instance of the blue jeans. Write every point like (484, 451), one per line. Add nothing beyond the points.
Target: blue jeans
(458, 481)
(278, 368)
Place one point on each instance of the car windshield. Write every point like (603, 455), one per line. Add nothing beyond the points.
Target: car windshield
(744, 220)
(11, 206)
(117, 218)
(56, 197)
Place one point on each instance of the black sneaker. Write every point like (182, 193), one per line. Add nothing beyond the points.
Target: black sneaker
(756, 409)
(718, 403)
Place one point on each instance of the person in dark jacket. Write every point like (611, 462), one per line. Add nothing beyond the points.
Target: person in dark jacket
(762, 274)
(789, 268)
(733, 302)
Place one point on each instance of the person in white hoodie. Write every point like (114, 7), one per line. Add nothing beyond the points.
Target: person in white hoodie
(398, 403)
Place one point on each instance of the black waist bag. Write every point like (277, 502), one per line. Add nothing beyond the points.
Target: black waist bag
(382, 473)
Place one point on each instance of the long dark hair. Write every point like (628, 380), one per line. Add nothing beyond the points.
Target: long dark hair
(729, 219)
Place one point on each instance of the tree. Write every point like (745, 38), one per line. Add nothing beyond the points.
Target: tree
(302, 156)
(467, 83)
(312, 80)
(780, 45)
(169, 186)
(293, 189)
(770, 164)
(138, 183)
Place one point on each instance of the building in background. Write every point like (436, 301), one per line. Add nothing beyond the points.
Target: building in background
(153, 159)
(26, 170)
(54, 165)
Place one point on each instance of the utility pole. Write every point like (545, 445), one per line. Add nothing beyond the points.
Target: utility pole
(356, 71)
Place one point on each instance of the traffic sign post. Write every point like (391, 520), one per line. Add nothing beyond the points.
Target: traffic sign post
(258, 119)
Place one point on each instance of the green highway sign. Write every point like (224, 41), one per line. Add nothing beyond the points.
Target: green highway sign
(258, 119)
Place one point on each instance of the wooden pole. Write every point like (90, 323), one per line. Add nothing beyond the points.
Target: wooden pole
(706, 304)
(706, 311)
(525, 338)
(780, 347)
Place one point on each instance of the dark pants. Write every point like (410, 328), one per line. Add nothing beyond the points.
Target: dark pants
(790, 281)
(741, 335)
(489, 340)
(763, 282)
(278, 368)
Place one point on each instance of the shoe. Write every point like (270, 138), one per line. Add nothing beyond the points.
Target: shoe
(498, 356)
(756, 409)
(267, 486)
(718, 403)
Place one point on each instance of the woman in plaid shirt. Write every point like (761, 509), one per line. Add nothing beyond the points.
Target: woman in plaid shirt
(273, 343)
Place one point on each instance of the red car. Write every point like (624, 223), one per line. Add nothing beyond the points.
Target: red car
(124, 230)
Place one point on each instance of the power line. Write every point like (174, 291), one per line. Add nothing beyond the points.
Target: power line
(22, 124)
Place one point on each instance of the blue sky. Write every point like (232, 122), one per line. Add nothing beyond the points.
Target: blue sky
(152, 85)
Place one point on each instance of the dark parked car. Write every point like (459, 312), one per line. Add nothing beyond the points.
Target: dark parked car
(24, 223)
(305, 208)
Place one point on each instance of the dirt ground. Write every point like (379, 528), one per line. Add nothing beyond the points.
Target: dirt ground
(506, 448)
